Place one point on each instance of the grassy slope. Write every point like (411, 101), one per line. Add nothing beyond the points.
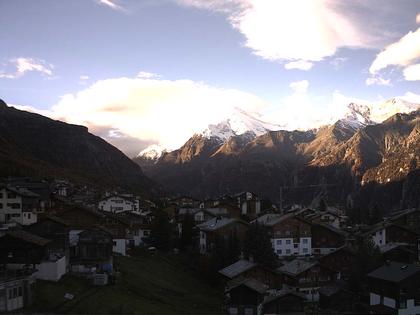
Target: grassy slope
(147, 285)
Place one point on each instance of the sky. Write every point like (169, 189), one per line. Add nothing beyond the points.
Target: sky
(143, 72)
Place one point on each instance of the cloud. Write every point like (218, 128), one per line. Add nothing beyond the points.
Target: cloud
(300, 87)
(147, 75)
(290, 30)
(401, 53)
(377, 80)
(418, 18)
(84, 77)
(300, 64)
(23, 65)
(112, 5)
(154, 111)
(412, 73)
(338, 62)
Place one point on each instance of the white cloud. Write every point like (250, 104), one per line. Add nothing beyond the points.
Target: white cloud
(23, 65)
(300, 64)
(147, 75)
(401, 53)
(84, 77)
(411, 97)
(290, 30)
(151, 110)
(300, 87)
(412, 73)
(418, 18)
(112, 5)
(378, 81)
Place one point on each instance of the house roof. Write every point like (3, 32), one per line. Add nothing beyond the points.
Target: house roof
(390, 246)
(131, 199)
(217, 223)
(395, 272)
(21, 191)
(383, 225)
(237, 268)
(342, 248)
(253, 284)
(215, 211)
(28, 237)
(268, 218)
(332, 229)
(56, 219)
(282, 293)
(399, 214)
(333, 288)
(296, 267)
(183, 211)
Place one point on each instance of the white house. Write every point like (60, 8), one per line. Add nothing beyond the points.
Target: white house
(118, 204)
(18, 205)
(290, 234)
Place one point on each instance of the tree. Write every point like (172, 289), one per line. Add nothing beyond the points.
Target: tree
(258, 246)
(188, 232)
(368, 258)
(322, 205)
(161, 231)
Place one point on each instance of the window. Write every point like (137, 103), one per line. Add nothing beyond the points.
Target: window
(20, 293)
(15, 292)
(1, 206)
(417, 298)
(15, 215)
(288, 242)
(304, 240)
(14, 205)
(279, 252)
(1, 195)
(305, 250)
(114, 243)
(278, 242)
(11, 195)
(287, 251)
(29, 216)
(295, 245)
(403, 303)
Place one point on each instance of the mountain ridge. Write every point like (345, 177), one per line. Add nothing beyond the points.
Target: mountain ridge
(331, 154)
(34, 145)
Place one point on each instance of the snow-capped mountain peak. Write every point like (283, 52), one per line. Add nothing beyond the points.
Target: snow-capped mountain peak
(360, 115)
(356, 117)
(238, 123)
(152, 152)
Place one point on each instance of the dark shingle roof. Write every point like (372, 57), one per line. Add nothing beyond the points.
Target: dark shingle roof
(281, 294)
(217, 223)
(29, 237)
(395, 271)
(250, 283)
(237, 268)
(296, 267)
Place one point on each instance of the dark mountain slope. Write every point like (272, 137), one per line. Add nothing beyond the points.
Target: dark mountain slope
(31, 144)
